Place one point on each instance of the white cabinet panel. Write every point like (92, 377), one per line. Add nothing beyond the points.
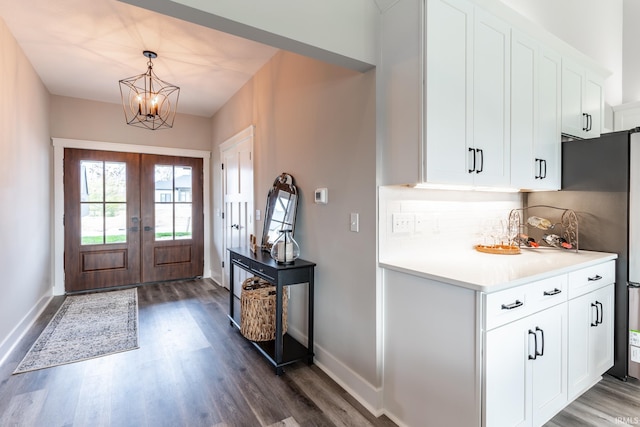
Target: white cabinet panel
(448, 90)
(467, 95)
(590, 338)
(535, 115)
(491, 100)
(548, 145)
(526, 364)
(582, 101)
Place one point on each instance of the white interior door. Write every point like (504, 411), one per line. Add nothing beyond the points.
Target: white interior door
(236, 155)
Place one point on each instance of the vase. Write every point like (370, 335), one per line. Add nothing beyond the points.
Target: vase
(285, 249)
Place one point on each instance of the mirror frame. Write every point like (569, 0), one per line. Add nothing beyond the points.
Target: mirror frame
(283, 184)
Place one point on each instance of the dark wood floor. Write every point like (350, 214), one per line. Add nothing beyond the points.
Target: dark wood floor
(193, 369)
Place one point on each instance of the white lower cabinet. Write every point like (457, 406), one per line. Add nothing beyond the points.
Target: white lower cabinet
(546, 342)
(458, 357)
(590, 338)
(525, 369)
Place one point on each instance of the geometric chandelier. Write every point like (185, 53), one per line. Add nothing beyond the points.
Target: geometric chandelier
(148, 101)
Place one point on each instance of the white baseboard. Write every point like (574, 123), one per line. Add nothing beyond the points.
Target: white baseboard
(19, 331)
(360, 389)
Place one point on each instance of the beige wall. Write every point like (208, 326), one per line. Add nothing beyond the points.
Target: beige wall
(25, 193)
(82, 119)
(317, 122)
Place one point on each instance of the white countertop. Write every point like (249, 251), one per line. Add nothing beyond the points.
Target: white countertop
(490, 273)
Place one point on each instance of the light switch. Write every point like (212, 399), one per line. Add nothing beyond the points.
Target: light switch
(355, 222)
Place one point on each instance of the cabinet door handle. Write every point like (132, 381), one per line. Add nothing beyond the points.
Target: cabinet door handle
(589, 122)
(585, 121)
(473, 151)
(535, 345)
(544, 175)
(513, 305)
(556, 291)
(541, 353)
(479, 150)
(538, 169)
(595, 278)
(599, 312)
(594, 323)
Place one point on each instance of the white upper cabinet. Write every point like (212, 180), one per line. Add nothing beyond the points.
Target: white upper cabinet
(462, 102)
(535, 115)
(582, 101)
(491, 100)
(467, 95)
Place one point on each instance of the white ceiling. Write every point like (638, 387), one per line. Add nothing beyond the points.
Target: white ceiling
(82, 48)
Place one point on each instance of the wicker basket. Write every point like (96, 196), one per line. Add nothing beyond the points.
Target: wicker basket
(258, 310)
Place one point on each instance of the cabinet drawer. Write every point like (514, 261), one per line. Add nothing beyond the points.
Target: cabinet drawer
(242, 261)
(267, 273)
(515, 303)
(591, 278)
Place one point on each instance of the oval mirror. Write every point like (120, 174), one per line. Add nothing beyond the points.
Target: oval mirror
(280, 214)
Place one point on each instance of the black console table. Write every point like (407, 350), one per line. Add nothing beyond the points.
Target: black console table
(284, 349)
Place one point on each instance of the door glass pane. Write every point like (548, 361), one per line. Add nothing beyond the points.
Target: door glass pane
(164, 221)
(116, 182)
(183, 184)
(183, 221)
(173, 197)
(92, 224)
(102, 222)
(116, 222)
(91, 174)
(164, 184)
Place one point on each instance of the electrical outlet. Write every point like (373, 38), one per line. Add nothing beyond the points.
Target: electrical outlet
(402, 223)
(420, 223)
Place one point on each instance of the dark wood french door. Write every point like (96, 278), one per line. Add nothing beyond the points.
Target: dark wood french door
(131, 218)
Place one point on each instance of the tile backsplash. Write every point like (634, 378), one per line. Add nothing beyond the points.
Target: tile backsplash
(432, 220)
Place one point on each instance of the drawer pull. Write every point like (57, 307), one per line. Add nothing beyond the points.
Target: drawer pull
(241, 264)
(513, 305)
(595, 278)
(556, 291)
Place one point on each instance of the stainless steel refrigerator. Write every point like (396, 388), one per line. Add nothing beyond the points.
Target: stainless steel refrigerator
(601, 183)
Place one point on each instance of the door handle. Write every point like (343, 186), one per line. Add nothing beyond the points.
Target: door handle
(541, 353)
(544, 175)
(594, 324)
(472, 150)
(535, 345)
(585, 122)
(134, 229)
(589, 122)
(599, 313)
(538, 169)
(479, 150)
(236, 226)
(148, 228)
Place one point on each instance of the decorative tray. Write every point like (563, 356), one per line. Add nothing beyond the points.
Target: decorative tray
(498, 249)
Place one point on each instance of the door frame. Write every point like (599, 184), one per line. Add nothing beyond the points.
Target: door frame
(59, 144)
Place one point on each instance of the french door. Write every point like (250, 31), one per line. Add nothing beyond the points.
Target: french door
(131, 218)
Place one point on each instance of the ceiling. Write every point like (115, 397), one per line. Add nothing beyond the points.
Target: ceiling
(82, 49)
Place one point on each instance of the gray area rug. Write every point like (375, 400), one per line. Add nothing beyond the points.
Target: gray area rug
(86, 326)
